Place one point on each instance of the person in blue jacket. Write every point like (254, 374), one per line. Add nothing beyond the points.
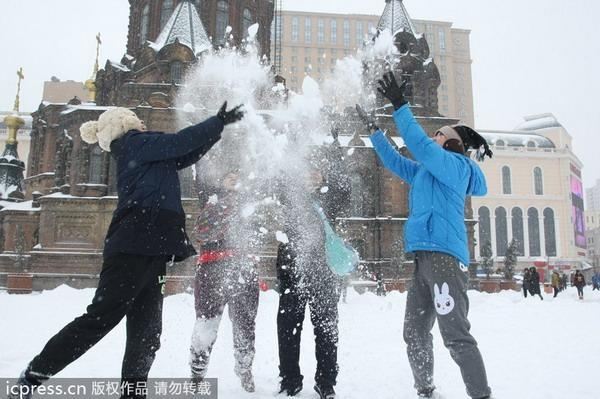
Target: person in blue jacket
(441, 176)
(147, 231)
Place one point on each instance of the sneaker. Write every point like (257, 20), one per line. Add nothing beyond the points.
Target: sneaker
(325, 391)
(247, 381)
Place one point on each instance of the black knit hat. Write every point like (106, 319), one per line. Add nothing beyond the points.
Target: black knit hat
(472, 139)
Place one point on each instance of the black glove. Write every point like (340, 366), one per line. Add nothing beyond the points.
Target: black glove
(390, 89)
(230, 116)
(369, 120)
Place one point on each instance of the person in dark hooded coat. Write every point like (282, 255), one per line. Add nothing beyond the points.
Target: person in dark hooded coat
(441, 177)
(147, 231)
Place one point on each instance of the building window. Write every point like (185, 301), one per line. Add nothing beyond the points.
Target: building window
(144, 24)
(500, 143)
(357, 197)
(177, 72)
(533, 222)
(307, 30)
(360, 34)
(333, 31)
(485, 235)
(517, 229)
(530, 144)
(538, 181)
(371, 28)
(321, 31)
(501, 231)
(442, 37)
(549, 232)
(295, 29)
(246, 22)
(96, 158)
(198, 4)
(165, 12)
(346, 33)
(506, 183)
(222, 21)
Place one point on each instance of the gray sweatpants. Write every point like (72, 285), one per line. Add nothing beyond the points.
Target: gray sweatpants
(439, 290)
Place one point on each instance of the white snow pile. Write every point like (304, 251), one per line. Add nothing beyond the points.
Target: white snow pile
(533, 349)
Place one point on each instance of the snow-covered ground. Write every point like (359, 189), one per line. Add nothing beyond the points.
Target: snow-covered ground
(533, 349)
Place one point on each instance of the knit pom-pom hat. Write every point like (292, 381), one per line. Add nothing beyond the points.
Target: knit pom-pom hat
(111, 125)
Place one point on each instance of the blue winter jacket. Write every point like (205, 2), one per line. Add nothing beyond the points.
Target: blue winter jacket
(440, 181)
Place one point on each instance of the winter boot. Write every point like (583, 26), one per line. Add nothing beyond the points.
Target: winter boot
(247, 381)
(24, 388)
(325, 391)
(290, 387)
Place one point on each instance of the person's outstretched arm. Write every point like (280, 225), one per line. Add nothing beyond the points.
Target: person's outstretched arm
(392, 159)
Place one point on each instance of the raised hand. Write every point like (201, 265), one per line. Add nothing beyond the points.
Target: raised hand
(231, 116)
(369, 120)
(389, 89)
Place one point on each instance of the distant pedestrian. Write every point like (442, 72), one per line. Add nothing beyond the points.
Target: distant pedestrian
(534, 285)
(579, 282)
(526, 281)
(380, 285)
(563, 282)
(555, 283)
(596, 281)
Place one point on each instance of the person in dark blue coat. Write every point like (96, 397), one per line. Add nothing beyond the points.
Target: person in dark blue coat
(441, 177)
(146, 232)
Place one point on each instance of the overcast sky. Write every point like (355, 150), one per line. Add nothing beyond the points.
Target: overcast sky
(529, 56)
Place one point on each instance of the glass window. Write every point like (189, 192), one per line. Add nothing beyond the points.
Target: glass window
(144, 24)
(500, 143)
(333, 31)
(165, 12)
(307, 30)
(222, 21)
(177, 72)
(484, 228)
(533, 223)
(517, 229)
(501, 231)
(538, 181)
(549, 232)
(506, 183)
(442, 37)
(346, 33)
(246, 22)
(321, 31)
(295, 29)
(359, 33)
(95, 172)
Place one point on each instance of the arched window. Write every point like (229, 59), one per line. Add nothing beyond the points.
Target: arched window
(538, 181)
(484, 228)
(95, 171)
(246, 22)
(165, 12)
(500, 143)
(533, 222)
(517, 229)
(144, 24)
(549, 232)
(501, 231)
(177, 72)
(506, 183)
(222, 21)
(530, 145)
(356, 195)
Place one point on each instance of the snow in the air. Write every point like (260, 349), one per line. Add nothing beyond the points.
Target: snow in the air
(533, 349)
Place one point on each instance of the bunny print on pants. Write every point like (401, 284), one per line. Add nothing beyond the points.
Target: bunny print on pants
(444, 303)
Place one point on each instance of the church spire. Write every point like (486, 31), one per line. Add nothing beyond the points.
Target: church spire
(184, 26)
(395, 18)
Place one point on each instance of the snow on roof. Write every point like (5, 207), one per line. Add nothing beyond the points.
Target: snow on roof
(517, 139)
(17, 206)
(537, 122)
(395, 18)
(184, 25)
(84, 107)
(119, 66)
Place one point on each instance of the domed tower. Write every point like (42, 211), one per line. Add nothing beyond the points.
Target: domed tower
(147, 18)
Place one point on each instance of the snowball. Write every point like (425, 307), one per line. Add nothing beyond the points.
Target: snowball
(282, 237)
(324, 189)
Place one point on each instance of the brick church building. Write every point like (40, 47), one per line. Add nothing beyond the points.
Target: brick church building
(56, 235)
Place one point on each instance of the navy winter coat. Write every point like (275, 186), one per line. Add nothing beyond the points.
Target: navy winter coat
(439, 180)
(149, 219)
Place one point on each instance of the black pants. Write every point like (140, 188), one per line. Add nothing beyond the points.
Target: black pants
(555, 288)
(131, 286)
(580, 291)
(322, 298)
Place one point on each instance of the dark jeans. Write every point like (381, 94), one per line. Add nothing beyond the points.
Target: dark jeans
(130, 286)
(580, 291)
(322, 297)
(555, 288)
